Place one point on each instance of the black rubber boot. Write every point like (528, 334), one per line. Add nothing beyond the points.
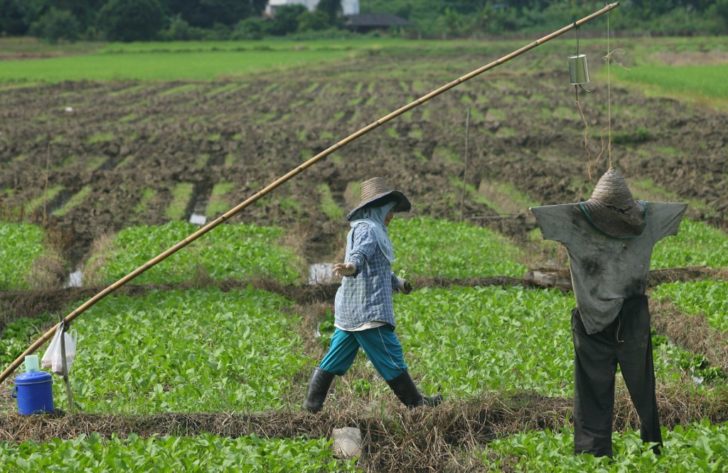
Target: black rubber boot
(318, 387)
(407, 392)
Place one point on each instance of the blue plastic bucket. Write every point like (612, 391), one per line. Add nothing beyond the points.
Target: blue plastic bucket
(34, 391)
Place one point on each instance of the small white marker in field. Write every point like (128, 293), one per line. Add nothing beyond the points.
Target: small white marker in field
(75, 279)
(198, 219)
(321, 273)
(68, 109)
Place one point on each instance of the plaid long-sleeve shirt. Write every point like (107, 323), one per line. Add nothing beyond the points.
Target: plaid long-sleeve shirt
(365, 296)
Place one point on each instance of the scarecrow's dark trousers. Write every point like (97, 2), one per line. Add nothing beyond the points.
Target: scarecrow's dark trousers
(627, 342)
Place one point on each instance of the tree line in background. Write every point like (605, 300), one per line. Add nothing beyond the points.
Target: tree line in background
(139, 20)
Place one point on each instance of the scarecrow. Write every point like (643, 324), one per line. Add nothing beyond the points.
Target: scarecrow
(363, 312)
(609, 239)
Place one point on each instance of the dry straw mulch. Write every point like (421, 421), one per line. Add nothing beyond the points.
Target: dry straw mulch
(691, 332)
(445, 438)
(28, 303)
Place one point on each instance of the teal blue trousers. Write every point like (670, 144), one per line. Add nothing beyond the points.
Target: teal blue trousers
(380, 344)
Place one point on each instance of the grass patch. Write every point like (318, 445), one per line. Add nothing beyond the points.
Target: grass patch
(179, 90)
(230, 252)
(101, 137)
(392, 132)
(181, 195)
(699, 298)
(94, 162)
(328, 205)
(352, 193)
(21, 245)
(416, 133)
(446, 154)
(232, 86)
(126, 64)
(218, 203)
(199, 453)
(696, 244)
(631, 137)
(506, 132)
(706, 81)
(504, 197)
(290, 206)
(147, 196)
(73, 202)
(565, 113)
(495, 115)
(470, 192)
(431, 247)
(126, 162)
(202, 161)
(48, 195)
(647, 189)
(128, 90)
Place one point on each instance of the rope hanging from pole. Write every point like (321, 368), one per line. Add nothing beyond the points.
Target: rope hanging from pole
(591, 163)
(609, 99)
(290, 174)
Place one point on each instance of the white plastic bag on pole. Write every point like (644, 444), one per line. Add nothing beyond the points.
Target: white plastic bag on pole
(53, 358)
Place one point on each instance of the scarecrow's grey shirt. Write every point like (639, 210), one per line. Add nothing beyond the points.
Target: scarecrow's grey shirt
(606, 270)
(365, 296)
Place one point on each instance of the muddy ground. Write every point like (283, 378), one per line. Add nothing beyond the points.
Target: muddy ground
(127, 139)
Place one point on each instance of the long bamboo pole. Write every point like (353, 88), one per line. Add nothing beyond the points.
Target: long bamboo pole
(290, 174)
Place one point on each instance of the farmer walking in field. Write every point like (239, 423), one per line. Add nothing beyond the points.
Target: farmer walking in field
(363, 311)
(609, 239)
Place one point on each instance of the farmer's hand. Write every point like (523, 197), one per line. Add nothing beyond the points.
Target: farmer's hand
(404, 286)
(344, 269)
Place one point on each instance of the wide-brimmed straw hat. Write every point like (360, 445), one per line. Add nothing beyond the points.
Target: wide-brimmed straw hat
(611, 208)
(376, 191)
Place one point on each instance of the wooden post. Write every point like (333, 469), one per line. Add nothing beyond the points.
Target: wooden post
(294, 172)
(64, 365)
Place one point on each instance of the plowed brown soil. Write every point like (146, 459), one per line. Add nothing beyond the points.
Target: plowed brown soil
(124, 138)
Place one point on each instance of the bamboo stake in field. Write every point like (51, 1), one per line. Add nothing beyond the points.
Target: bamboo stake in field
(292, 173)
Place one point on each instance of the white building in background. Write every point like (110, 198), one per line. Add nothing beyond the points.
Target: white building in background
(348, 7)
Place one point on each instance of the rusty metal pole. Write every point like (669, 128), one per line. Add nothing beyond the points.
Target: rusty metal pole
(292, 173)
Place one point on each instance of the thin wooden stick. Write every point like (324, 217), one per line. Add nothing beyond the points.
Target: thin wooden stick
(465, 165)
(292, 173)
(64, 365)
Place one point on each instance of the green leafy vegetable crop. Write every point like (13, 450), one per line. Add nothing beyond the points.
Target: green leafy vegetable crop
(430, 247)
(203, 453)
(236, 251)
(687, 449)
(183, 351)
(708, 298)
(696, 244)
(21, 245)
(464, 341)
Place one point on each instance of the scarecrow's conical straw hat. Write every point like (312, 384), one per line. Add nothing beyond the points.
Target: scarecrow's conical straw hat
(377, 191)
(611, 208)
